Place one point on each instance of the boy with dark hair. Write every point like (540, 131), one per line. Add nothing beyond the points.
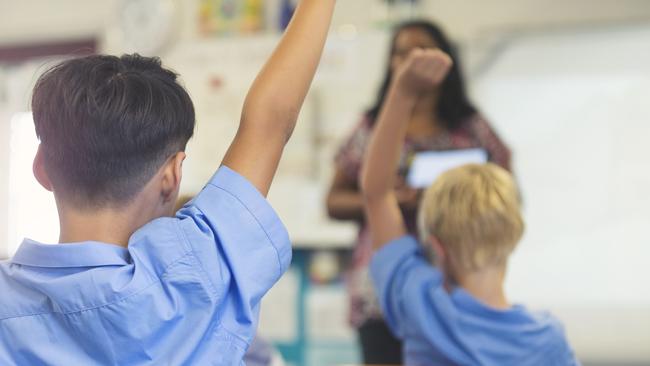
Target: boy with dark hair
(451, 310)
(129, 284)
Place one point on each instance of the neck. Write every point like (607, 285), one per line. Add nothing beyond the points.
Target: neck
(105, 225)
(487, 286)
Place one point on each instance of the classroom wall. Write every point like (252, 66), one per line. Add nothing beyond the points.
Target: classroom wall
(474, 19)
(573, 106)
(38, 20)
(42, 20)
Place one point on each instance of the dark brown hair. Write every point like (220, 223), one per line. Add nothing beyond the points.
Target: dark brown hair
(106, 125)
(454, 105)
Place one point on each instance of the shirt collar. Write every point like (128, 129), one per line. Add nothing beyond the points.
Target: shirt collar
(465, 300)
(86, 254)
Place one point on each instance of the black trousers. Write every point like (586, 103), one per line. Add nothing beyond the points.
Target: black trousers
(378, 345)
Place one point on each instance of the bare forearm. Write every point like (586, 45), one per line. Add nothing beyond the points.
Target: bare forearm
(348, 205)
(279, 90)
(272, 106)
(345, 206)
(383, 154)
(383, 213)
(420, 73)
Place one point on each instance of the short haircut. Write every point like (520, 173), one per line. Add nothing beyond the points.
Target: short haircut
(474, 212)
(107, 124)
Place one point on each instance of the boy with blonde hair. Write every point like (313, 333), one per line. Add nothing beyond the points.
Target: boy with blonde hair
(453, 311)
(130, 282)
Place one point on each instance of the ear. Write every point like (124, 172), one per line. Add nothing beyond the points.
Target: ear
(38, 168)
(439, 251)
(172, 174)
(443, 262)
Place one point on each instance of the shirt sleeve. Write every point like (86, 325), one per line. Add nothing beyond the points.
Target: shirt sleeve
(240, 242)
(396, 270)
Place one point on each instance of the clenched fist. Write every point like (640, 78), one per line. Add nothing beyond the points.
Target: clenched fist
(422, 71)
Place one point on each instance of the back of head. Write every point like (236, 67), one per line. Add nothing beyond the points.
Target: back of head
(106, 125)
(474, 212)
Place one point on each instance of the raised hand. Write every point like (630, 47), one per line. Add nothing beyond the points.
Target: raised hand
(423, 71)
(273, 103)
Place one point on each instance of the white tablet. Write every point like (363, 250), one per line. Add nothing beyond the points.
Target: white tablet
(427, 166)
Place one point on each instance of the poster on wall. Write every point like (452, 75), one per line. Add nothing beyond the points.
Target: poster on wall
(230, 16)
(222, 17)
(234, 17)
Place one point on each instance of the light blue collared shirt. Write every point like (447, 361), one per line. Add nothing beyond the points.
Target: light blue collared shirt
(186, 291)
(454, 328)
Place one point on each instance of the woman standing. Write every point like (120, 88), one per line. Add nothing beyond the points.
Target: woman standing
(444, 119)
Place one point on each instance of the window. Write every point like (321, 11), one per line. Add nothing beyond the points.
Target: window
(32, 211)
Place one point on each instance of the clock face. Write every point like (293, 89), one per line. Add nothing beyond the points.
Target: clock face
(147, 25)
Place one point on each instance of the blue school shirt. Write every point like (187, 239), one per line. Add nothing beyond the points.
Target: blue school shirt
(442, 328)
(186, 291)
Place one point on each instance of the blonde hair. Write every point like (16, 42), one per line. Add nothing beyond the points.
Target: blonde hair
(474, 212)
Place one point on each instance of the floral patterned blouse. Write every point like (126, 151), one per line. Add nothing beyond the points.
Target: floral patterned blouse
(474, 132)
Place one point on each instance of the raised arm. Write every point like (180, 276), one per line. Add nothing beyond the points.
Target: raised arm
(423, 70)
(274, 101)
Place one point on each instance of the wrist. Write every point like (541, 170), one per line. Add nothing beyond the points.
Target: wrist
(401, 90)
